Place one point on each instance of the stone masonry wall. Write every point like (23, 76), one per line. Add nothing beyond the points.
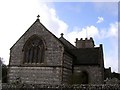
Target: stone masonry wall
(67, 61)
(94, 73)
(35, 75)
(67, 68)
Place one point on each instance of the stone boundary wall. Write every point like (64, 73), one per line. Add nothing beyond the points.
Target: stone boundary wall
(61, 87)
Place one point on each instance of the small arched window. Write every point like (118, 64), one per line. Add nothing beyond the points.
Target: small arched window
(34, 50)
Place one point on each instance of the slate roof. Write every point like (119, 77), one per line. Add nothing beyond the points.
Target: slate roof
(83, 56)
(86, 56)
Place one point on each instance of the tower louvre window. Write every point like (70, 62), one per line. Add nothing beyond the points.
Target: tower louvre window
(34, 51)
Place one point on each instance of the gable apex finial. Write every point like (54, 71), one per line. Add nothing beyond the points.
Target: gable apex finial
(62, 34)
(38, 16)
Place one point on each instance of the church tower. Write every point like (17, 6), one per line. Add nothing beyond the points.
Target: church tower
(87, 43)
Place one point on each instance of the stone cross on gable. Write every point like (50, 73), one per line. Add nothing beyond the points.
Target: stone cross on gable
(38, 16)
(62, 34)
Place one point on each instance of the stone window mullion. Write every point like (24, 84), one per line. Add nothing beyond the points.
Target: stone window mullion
(37, 50)
(39, 55)
(26, 56)
(42, 51)
(35, 55)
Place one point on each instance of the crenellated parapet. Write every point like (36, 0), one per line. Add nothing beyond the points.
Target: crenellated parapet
(87, 43)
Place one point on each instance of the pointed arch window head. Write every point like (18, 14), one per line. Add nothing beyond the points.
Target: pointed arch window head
(34, 50)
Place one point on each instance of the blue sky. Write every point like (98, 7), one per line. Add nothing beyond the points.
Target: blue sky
(86, 13)
(99, 19)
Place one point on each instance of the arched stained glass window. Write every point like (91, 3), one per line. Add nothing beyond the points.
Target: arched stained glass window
(34, 51)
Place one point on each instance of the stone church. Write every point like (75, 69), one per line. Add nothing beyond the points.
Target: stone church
(39, 57)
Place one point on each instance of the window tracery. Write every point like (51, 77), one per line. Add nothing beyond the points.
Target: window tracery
(34, 51)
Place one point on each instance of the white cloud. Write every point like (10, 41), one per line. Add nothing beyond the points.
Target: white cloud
(113, 30)
(110, 32)
(52, 21)
(100, 20)
(16, 18)
(93, 31)
(89, 31)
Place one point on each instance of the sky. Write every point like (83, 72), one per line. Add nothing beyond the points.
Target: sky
(75, 19)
